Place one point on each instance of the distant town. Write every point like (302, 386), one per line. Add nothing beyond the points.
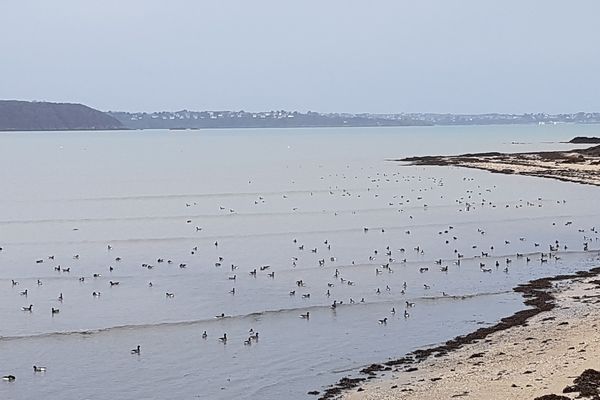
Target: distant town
(44, 116)
(277, 119)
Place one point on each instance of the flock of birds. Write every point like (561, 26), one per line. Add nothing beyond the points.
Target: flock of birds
(384, 260)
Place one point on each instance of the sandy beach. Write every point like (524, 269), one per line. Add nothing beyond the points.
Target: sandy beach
(543, 352)
(540, 358)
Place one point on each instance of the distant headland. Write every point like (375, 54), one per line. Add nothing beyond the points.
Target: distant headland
(46, 116)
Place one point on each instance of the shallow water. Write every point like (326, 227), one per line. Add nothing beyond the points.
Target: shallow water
(173, 194)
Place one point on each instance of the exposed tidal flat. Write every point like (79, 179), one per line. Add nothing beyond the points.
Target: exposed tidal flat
(196, 213)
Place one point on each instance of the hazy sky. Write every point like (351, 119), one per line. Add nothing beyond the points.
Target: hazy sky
(323, 55)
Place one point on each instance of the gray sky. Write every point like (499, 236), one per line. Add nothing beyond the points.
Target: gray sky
(324, 55)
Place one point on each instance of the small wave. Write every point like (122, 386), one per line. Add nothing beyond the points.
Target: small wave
(464, 296)
(429, 262)
(253, 315)
(207, 195)
(307, 268)
(202, 216)
(391, 228)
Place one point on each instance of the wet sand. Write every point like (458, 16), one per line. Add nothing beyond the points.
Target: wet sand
(541, 357)
(579, 166)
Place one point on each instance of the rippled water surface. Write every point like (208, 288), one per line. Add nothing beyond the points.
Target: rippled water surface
(214, 206)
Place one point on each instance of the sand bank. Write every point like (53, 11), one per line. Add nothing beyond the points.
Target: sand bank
(580, 166)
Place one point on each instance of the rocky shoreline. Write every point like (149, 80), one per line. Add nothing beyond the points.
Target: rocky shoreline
(578, 165)
(537, 295)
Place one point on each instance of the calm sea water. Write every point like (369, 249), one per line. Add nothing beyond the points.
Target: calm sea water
(262, 195)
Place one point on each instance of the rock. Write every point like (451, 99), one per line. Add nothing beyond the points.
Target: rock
(552, 397)
(476, 355)
(587, 384)
(585, 140)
